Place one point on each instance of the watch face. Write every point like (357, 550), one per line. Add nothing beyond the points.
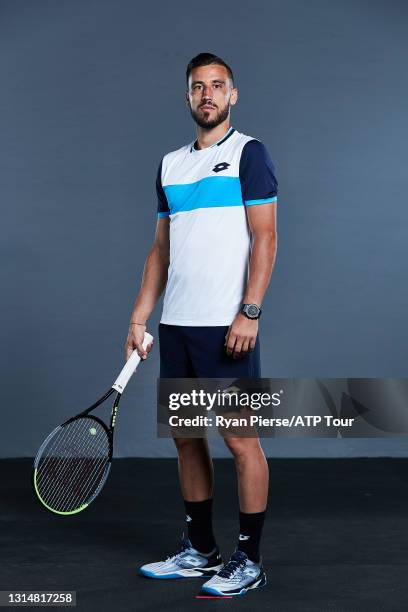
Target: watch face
(252, 310)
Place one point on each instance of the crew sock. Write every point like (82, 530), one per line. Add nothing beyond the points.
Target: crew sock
(250, 531)
(199, 524)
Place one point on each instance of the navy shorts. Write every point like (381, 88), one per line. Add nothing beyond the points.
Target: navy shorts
(199, 352)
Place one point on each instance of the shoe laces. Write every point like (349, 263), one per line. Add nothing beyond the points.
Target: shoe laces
(184, 545)
(237, 560)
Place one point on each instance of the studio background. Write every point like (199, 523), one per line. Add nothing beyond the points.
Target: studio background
(92, 98)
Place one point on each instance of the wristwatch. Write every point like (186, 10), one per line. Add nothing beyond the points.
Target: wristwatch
(251, 311)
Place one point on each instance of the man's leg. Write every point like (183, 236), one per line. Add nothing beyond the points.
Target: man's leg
(252, 472)
(196, 481)
(195, 466)
(244, 571)
(253, 481)
(200, 556)
(208, 356)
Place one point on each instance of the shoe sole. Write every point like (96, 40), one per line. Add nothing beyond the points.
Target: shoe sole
(183, 573)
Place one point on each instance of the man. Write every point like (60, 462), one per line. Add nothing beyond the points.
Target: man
(214, 252)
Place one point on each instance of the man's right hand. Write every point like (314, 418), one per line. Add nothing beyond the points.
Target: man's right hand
(135, 341)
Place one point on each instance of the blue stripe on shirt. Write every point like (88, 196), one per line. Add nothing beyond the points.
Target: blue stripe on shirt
(209, 192)
(264, 201)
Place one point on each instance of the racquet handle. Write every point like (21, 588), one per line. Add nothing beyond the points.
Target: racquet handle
(130, 367)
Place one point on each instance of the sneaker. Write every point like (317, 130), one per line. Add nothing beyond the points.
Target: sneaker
(237, 577)
(187, 562)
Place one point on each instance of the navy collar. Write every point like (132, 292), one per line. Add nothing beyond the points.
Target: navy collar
(216, 144)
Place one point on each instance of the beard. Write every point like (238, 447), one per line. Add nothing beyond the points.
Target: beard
(209, 124)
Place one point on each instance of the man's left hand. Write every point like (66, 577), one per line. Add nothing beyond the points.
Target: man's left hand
(241, 336)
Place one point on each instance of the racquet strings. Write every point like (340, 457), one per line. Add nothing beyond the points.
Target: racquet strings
(72, 465)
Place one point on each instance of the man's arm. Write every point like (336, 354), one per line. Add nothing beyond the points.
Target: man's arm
(241, 336)
(262, 223)
(153, 284)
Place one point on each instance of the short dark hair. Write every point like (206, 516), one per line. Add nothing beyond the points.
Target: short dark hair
(205, 59)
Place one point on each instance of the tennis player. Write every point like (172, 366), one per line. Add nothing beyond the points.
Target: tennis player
(213, 253)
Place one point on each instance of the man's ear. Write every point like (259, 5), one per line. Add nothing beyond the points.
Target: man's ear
(234, 96)
(187, 99)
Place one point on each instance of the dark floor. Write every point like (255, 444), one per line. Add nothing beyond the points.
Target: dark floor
(335, 540)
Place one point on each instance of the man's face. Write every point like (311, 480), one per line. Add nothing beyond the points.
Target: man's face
(210, 95)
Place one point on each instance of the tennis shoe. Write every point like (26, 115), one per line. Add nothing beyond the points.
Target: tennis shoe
(186, 562)
(237, 577)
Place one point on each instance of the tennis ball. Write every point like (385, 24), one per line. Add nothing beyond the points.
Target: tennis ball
(92, 431)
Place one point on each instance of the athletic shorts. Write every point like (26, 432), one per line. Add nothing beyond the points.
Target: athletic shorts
(199, 352)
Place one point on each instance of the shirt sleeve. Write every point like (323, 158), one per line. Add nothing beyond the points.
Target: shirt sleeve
(162, 204)
(257, 174)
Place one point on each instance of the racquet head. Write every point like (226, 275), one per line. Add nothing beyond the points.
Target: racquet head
(73, 464)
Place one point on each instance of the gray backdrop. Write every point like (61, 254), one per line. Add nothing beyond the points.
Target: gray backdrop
(92, 97)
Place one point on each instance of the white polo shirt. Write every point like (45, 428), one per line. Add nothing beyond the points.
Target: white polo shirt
(205, 193)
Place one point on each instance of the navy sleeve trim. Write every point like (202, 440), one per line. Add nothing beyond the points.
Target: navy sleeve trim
(257, 174)
(162, 204)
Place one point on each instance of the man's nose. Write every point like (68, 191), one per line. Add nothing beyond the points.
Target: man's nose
(206, 92)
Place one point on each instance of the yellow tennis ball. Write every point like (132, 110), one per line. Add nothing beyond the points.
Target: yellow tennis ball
(92, 431)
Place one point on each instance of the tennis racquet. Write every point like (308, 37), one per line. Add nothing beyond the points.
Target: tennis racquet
(73, 462)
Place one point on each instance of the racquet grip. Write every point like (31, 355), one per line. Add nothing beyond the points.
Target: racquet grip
(130, 367)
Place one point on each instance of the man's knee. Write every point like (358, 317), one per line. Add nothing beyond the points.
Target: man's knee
(241, 448)
(238, 446)
(187, 445)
